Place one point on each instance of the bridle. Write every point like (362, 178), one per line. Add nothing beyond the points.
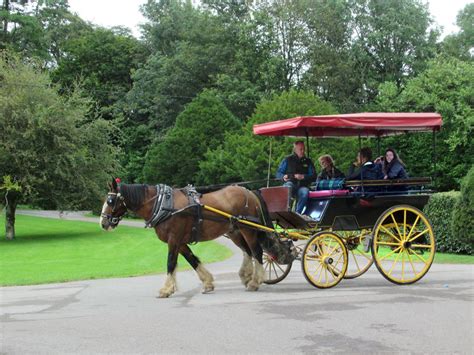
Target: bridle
(114, 203)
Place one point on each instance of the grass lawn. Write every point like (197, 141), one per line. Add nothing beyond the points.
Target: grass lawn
(442, 258)
(49, 250)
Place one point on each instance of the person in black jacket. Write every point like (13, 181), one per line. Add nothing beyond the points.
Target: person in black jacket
(329, 170)
(392, 166)
(366, 169)
(297, 171)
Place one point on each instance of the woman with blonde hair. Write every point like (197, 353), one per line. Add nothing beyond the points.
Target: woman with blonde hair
(329, 170)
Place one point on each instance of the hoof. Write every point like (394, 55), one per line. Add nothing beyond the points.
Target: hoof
(165, 293)
(208, 289)
(252, 286)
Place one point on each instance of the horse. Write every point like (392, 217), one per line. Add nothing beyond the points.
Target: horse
(178, 228)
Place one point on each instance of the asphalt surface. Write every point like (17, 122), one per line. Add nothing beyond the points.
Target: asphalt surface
(364, 315)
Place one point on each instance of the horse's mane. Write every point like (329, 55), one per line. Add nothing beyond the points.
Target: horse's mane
(134, 195)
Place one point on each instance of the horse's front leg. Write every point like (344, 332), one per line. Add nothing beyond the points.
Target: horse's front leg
(204, 275)
(170, 285)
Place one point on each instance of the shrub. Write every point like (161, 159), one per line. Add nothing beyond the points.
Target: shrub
(462, 227)
(439, 211)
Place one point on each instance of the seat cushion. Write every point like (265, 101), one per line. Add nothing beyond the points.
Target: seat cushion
(327, 193)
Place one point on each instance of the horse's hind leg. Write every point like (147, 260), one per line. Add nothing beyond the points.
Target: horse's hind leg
(170, 285)
(246, 269)
(258, 275)
(204, 275)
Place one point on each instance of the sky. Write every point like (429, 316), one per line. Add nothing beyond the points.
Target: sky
(108, 13)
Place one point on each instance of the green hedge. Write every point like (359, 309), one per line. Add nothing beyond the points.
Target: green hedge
(440, 210)
(462, 226)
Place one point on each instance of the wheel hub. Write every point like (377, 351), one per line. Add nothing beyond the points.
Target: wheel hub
(328, 261)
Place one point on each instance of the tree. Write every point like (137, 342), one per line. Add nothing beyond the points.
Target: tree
(39, 29)
(331, 64)
(445, 87)
(175, 159)
(393, 41)
(244, 156)
(461, 44)
(54, 155)
(21, 30)
(462, 228)
(102, 60)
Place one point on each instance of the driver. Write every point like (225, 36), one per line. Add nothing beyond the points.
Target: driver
(298, 172)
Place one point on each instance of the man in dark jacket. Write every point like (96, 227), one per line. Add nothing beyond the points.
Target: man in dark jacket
(297, 171)
(367, 169)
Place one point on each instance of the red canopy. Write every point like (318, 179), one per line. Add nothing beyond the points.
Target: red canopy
(368, 124)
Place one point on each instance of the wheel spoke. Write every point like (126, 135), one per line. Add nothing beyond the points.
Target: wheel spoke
(331, 272)
(396, 224)
(330, 252)
(404, 224)
(411, 262)
(363, 254)
(319, 248)
(355, 260)
(390, 233)
(280, 267)
(413, 227)
(421, 246)
(419, 235)
(321, 273)
(419, 257)
(394, 263)
(326, 275)
(387, 255)
(403, 265)
(388, 243)
(275, 270)
(337, 261)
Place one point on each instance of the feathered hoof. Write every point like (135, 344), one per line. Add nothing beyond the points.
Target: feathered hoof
(165, 293)
(208, 289)
(252, 286)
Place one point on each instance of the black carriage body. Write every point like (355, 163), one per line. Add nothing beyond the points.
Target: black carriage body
(348, 212)
(357, 212)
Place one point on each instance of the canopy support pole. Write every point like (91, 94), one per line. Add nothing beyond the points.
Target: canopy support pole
(307, 142)
(434, 157)
(269, 163)
(360, 142)
(378, 145)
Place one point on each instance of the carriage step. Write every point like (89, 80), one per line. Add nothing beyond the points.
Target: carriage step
(367, 243)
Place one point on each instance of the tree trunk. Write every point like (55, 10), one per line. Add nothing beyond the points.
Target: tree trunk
(10, 208)
(6, 7)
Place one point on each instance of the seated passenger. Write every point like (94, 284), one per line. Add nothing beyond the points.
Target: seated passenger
(366, 169)
(392, 166)
(329, 171)
(297, 171)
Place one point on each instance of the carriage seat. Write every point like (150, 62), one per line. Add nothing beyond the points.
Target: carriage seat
(327, 193)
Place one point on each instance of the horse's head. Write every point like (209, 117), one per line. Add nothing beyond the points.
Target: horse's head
(114, 207)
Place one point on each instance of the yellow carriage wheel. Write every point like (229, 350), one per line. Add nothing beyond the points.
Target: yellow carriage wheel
(324, 260)
(274, 272)
(359, 260)
(403, 245)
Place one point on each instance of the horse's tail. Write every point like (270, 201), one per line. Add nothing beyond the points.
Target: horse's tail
(282, 251)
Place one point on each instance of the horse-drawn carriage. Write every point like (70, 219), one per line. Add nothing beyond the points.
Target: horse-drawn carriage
(351, 228)
(342, 233)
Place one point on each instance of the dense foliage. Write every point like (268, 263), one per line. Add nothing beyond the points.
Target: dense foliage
(174, 160)
(439, 211)
(182, 99)
(445, 87)
(58, 158)
(462, 228)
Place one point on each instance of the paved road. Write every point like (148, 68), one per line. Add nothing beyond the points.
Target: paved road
(365, 315)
